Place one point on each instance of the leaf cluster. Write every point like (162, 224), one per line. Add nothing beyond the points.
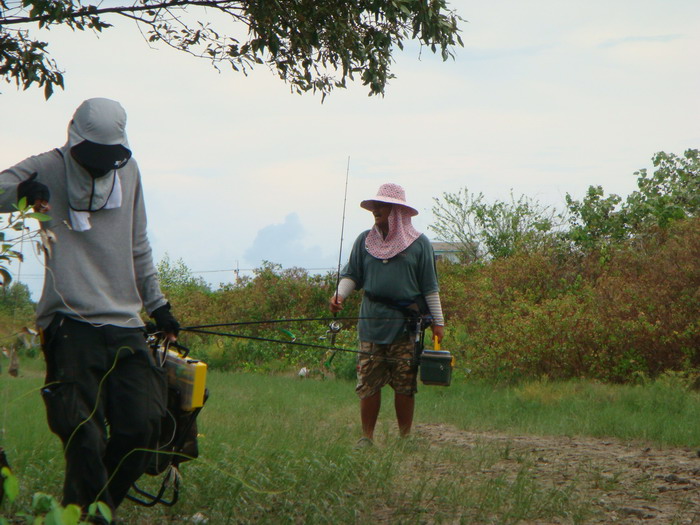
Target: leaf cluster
(25, 61)
(313, 45)
(14, 232)
(484, 231)
(670, 193)
(489, 230)
(46, 510)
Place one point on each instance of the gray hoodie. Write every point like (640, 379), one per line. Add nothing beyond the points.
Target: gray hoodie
(102, 273)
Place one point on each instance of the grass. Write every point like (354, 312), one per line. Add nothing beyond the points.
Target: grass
(278, 449)
(662, 412)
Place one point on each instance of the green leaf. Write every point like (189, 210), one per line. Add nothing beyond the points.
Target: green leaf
(71, 514)
(288, 333)
(41, 217)
(10, 484)
(43, 503)
(54, 516)
(5, 276)
(100, 508)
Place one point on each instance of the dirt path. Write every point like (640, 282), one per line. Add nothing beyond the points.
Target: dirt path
(626, 483)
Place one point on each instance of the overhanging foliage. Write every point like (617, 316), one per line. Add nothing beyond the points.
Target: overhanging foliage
(314, 45)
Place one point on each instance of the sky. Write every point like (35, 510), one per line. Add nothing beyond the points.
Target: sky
(545, 99)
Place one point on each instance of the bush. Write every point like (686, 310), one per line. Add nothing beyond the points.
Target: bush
(285, 305)
(631, 312)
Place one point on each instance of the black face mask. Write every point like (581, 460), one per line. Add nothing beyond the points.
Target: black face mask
(109, 158)
(96, 173)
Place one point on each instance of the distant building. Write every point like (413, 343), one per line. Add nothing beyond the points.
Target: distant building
(447, 251)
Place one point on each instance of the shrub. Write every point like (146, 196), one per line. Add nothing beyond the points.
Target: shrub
(631, 312)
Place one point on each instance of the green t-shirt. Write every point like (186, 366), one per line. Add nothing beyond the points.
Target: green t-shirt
(409, 274)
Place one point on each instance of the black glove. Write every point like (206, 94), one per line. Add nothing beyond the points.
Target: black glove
(33, 190)
(165, 321)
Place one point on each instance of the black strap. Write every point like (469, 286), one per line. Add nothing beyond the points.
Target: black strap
(411, 309)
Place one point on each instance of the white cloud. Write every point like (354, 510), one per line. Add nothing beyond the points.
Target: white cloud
(284, 242)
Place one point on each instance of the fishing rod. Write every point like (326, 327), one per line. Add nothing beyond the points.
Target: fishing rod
(334, 326)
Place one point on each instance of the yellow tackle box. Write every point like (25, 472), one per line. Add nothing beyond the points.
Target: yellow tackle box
(189, 377)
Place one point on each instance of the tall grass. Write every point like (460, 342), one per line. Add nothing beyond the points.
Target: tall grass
(664, 412)
(279, 449)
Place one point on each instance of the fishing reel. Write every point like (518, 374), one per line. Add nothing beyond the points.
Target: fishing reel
(159, 345)
(333, 330)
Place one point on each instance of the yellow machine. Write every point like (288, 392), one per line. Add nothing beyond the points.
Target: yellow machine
(189, 377)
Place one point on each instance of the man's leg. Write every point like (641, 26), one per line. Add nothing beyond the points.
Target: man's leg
(404, 406)
(369, 411)
(74, 369)
(372, 375)
(404, 382)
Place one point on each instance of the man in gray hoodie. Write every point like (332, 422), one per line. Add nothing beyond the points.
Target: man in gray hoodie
(104, 394)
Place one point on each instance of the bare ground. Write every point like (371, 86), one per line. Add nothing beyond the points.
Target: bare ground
(621, 483)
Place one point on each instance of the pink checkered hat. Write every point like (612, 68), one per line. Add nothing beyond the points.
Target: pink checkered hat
(392, 194)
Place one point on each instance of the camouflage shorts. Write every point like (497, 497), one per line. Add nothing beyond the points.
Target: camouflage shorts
(374, 370)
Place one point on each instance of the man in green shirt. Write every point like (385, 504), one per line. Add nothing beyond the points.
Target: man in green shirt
(395, 266)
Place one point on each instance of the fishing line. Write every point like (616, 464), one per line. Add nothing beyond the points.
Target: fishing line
(291, 320)
(295, 343)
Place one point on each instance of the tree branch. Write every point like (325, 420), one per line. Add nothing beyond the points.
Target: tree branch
(226, 6)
